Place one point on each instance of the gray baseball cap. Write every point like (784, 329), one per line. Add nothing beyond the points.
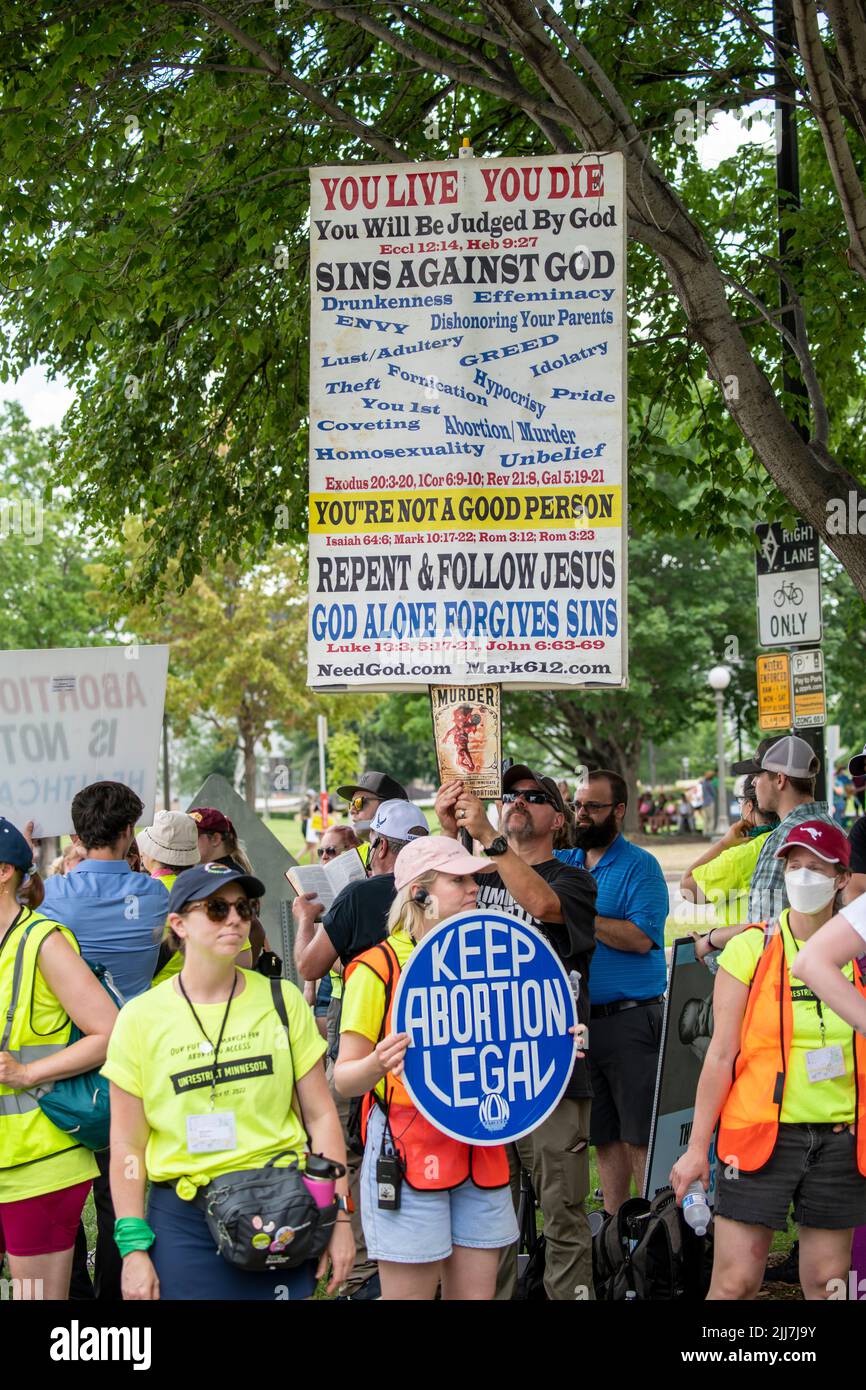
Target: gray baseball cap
(791, 755)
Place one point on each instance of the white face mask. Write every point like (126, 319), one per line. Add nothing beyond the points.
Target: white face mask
(808, 891)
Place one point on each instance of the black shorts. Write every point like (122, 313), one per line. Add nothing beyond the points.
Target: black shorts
(623, 1061)
(811, 1167)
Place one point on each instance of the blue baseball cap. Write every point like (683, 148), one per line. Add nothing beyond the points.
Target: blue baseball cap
(14, 849)
(204, 879)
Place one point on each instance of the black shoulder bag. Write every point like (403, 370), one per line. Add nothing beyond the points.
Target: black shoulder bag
(265, 1218)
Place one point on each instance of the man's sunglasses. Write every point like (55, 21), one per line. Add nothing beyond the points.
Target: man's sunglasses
(358, 803)
(218, 909)
(531, 798)
(327, 853)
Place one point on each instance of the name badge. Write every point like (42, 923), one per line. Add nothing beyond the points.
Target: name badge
(825, 1063)
(213, 1133)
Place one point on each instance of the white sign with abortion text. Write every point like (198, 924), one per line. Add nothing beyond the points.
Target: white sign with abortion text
(72, 716)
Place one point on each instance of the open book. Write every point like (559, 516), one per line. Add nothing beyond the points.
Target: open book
(326, 880)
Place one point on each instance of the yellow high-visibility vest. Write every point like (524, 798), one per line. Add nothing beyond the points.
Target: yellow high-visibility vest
(34, 1030)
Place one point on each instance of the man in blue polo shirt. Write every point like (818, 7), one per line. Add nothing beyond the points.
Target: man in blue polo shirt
(629, 978)
(117, 917)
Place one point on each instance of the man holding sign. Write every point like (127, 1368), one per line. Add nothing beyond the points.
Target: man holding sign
(531, 884)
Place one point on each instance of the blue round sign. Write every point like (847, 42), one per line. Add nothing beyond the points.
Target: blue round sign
(487, 1005)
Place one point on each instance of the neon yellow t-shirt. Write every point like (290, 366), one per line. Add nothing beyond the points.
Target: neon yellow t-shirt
(155, 1053)
(804, 1102)
(364, 996)
(174, 964)
(72, 1166)
(725, 881)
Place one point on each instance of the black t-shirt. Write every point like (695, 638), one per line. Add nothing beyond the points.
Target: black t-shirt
(358, 917)
(573, 939)
(231, 864)
(857, 836)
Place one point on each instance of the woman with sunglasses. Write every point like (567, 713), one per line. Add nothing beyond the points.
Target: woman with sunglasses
(721, 875)
(336, 840)
(202, 1084)
(455, 1212)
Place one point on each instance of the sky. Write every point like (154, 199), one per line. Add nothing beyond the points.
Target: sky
(46, 401)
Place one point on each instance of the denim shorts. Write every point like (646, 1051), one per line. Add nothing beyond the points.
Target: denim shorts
(429, 1224)
(811, 1167)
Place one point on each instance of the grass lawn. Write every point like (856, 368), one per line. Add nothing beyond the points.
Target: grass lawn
(289, 830)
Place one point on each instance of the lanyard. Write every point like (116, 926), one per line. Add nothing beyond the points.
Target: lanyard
(809, 997)
(210, 1047)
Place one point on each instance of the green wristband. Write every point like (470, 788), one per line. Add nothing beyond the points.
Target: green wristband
(132, 1233)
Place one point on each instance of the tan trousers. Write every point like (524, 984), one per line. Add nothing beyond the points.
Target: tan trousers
(556, 1156)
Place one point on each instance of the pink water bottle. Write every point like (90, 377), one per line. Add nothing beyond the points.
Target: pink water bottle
(319, 1176)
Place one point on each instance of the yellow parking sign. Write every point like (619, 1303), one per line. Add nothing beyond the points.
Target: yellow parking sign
(774, 692)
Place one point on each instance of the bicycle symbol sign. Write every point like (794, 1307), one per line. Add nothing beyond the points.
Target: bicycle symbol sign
(789, 586)
(788, 593)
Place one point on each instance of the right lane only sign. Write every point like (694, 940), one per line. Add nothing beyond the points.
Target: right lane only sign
(789, 585)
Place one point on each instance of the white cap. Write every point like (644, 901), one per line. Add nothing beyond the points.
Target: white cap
(172, 839)
(399, 820)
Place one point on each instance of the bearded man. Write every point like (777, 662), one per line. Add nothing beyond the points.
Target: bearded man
(629, 978)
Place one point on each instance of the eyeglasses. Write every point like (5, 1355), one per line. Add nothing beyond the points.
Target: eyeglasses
(358, 803)
(218, 909)
(327, 853)
(531, 798)
(593, 806)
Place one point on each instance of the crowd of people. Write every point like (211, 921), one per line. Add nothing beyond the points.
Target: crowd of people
(686, 809)
(217, 1067)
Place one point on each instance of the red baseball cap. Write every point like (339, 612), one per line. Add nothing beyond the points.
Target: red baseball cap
(211, 821)
(827, 841)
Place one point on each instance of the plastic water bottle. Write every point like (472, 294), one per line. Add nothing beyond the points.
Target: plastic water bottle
(581, 1040)
(696, 1208)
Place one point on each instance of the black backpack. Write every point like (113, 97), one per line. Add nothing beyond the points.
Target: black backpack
(647, 1252)
(531, 1245)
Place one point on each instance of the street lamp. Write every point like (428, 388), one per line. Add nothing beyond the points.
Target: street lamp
(720, 678)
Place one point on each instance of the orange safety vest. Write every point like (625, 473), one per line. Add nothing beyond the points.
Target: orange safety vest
(434, 1162)
(749, 1122)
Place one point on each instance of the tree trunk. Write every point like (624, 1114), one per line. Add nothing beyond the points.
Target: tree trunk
(806, 473)
(630, 823)
(248, 745)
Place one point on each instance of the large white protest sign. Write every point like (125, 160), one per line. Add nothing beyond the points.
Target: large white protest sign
(467, 424)
(73, 716)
